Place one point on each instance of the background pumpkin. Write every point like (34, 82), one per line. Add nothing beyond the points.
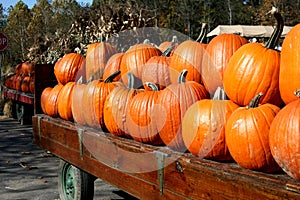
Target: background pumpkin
(66, 68)
(134, 59)
(113, 64)
(247, 136)
(97, 56)
(218, 52)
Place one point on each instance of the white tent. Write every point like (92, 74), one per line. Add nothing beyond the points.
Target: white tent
(247, 30)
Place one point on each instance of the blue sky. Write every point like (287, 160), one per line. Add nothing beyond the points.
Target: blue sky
(30, 3)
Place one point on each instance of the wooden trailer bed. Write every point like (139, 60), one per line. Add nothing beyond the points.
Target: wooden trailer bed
(151, 172)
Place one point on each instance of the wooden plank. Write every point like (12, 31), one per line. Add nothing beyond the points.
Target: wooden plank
(184, 176)
(15, 95)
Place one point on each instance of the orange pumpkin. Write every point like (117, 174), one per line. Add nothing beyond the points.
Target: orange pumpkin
(97, 56)
(254, 68)
(94, 97)
(113, 64)
(203, 128)
(77, 104)
(285, 138)
(66, 68)
(135, 58)
(289, 65)
(51, 106)
(247, 136)
(44, 98)
(174, 101)
(218, 52)
(65, 101)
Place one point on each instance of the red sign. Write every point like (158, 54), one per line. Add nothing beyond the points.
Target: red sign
(3, 41)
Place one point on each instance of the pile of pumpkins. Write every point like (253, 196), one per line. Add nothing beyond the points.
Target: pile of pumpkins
(228, 100)
(22, 79)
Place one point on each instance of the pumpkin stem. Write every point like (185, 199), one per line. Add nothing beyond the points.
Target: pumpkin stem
(274, 39)
(130, 80)
(297, 93)
(182, 76)
(203, 33)
(152, 86)
(254, 102)
(110, 78)
(168, 51)
(220, 94)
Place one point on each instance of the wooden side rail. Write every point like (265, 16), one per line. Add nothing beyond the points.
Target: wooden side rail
(151, 172)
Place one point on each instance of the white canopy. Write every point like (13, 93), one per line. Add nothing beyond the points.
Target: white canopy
(247, 30)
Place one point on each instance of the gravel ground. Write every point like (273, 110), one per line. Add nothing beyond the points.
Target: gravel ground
(28, 172)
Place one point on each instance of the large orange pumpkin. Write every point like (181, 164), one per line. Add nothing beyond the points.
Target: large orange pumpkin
(113, 64)
(66, 68)
(247, 135)
(174, 100)
(97, 56)
(203, 128)
(285, 138)
(44, 98)
(218, 52)
(254, 68)
(289, 65)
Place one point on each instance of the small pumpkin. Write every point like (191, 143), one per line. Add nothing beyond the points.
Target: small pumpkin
(247, 135)
(51, 106)
(44, 98)
(25, 84)
(65, 101)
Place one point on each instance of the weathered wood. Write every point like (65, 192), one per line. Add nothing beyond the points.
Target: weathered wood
(134, 167)
(20, 96)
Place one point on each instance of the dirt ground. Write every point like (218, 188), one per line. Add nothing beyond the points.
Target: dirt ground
(30, 173)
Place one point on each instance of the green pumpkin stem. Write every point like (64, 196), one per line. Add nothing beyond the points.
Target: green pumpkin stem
(152, 86)
(130, 80)
(254, 102)
(182, 76)
(203, 33)
(112, 76)
(274, 39)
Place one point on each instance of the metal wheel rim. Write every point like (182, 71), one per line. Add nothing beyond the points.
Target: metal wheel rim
(68, 182)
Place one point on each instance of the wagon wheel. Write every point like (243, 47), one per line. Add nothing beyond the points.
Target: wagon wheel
(74, 184)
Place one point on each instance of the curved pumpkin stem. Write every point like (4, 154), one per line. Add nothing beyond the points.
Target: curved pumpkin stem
(130, 80)
(112, 76)
(254, 102)
(182, 76)
(203, 33)
(152, 86)
(274, 39)
(220, 94)
(168, 51)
